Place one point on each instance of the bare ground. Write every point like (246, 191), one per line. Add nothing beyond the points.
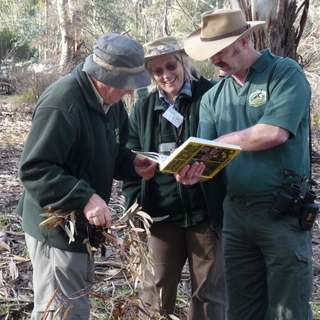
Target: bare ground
(16, 293)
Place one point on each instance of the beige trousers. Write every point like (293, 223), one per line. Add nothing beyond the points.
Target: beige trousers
(70, 273)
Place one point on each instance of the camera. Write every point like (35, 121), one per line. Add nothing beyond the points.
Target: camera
(97, 238)
(310, 211)
(285, 201)
(290, 202)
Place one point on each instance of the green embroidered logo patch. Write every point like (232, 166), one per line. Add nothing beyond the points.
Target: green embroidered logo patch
(257, 98)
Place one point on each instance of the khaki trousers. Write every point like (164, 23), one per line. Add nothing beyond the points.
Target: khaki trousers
(71, 273)
(172, 247)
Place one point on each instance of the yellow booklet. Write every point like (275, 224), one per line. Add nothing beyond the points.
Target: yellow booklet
(215, 156)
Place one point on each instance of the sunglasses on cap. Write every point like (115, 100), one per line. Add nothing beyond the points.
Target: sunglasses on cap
(171, 66)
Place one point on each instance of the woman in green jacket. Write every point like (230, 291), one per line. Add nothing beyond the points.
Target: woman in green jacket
(165, 116)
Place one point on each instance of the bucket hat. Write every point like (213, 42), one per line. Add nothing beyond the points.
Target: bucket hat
(219, 29)
(161, 47)
(118, 61)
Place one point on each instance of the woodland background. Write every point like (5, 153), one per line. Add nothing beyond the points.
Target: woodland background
(41, 40)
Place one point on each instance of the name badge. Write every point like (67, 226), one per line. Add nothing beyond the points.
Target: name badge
(173, 116)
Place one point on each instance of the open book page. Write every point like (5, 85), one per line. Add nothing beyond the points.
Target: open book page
(214, 155)
(153, 156)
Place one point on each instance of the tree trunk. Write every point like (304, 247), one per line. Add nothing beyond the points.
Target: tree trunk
(62, 6)
(285, 23)
(165, 20)
(69, 25)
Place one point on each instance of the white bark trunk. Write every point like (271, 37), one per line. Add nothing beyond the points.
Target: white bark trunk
(283, 27)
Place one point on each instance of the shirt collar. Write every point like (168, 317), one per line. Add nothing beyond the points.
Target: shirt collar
(186, 90)
(105, 106)
(263, 61)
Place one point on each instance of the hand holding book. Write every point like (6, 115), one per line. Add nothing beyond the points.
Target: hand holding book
(190, 174)
(214, 155)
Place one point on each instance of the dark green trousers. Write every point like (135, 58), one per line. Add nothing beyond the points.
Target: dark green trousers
(268, 263)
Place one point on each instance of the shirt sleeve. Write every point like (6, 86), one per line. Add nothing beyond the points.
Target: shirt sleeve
(132, 189)
(289, 96)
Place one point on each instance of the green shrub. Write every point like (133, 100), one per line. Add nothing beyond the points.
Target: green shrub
(27, 98)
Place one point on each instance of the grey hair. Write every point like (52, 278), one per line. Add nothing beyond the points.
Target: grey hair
(191, 72)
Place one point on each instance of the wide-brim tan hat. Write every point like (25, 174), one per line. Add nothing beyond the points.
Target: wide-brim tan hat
(161, 47)
(219, 29)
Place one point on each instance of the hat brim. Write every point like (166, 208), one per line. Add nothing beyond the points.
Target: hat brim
(118, 80)
(163, 54)
(202, 50)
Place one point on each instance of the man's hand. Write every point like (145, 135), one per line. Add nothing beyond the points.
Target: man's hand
(97, 212)
(189, 175)
(144, 167)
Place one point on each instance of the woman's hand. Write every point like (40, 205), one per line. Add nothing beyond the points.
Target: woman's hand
(144, 167)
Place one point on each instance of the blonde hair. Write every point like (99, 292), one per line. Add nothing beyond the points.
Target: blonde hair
(191, 72)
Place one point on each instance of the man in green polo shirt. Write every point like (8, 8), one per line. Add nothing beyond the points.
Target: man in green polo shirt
(261, 104)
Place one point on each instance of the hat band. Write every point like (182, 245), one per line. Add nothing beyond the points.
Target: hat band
(227, 35)
(108, 66)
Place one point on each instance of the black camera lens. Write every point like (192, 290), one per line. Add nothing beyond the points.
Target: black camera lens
(294, 190)
(282, 204)
(310, 196)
